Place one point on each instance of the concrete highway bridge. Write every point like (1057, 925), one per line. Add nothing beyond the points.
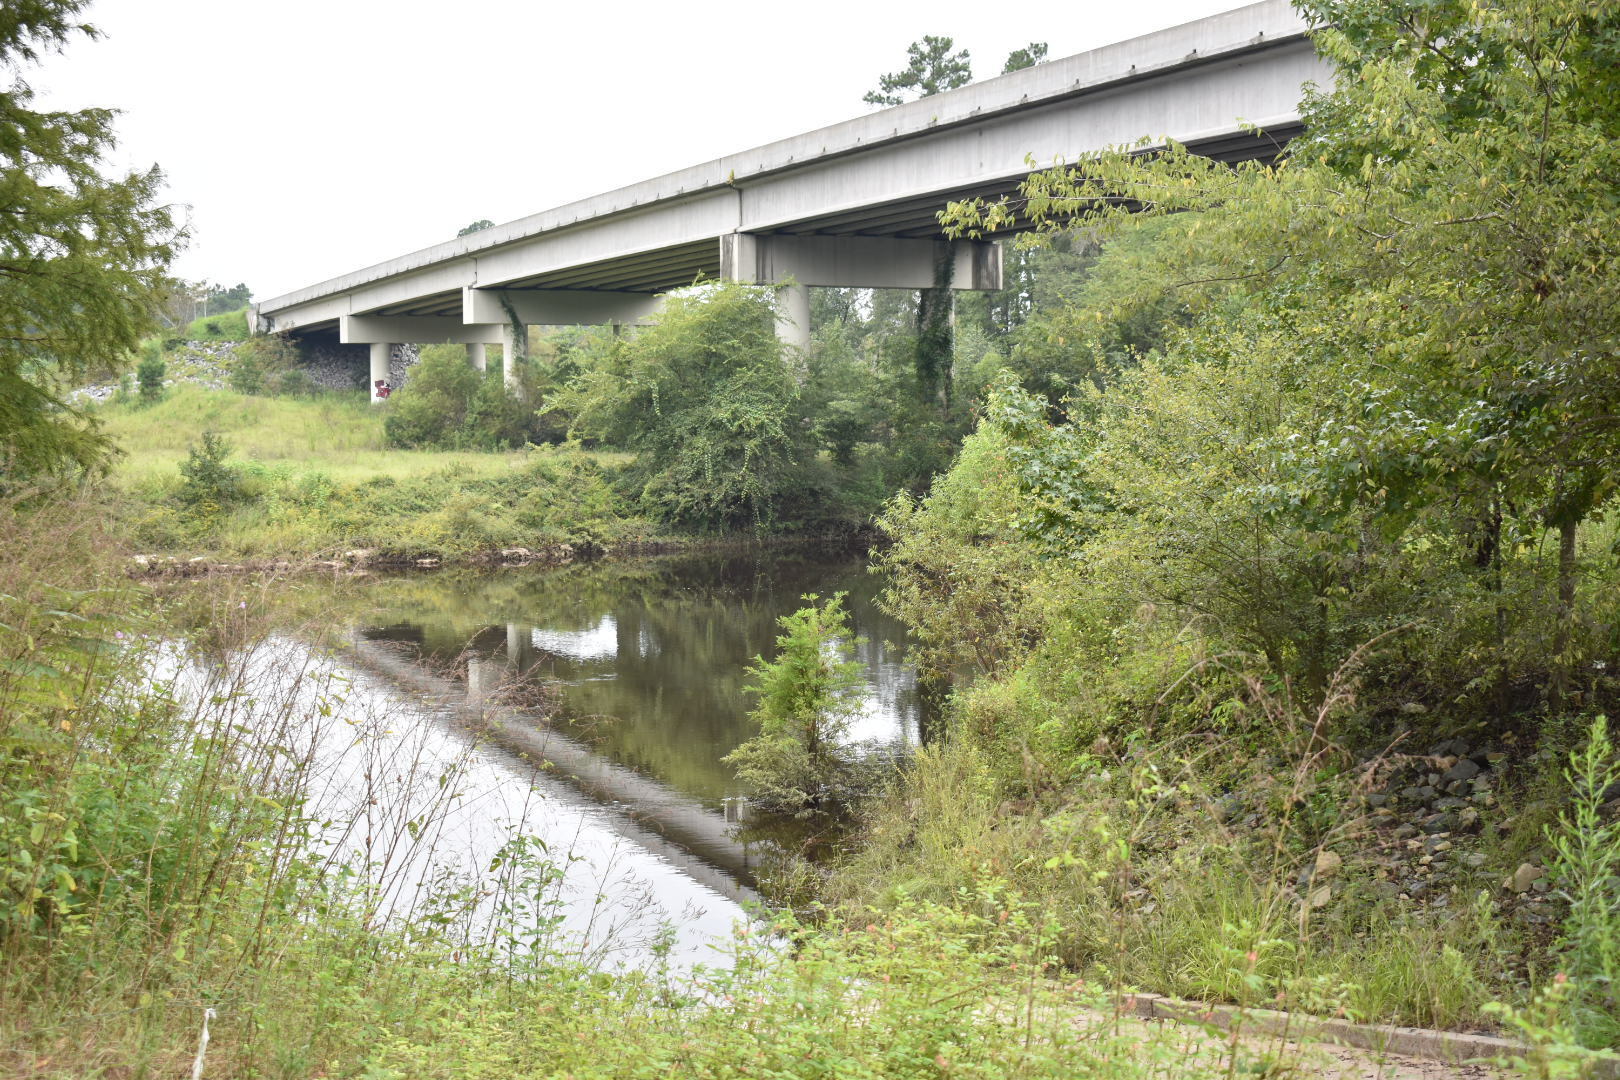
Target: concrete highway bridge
(853, 204)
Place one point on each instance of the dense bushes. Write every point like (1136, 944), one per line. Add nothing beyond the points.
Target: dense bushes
(268, 364)
(707, 400)
(447, 404)
(1333, 454)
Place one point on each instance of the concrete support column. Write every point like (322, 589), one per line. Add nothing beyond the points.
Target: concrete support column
(519, 647)
(380, 352)
(476, 357)
(513, 345)
(793, 316)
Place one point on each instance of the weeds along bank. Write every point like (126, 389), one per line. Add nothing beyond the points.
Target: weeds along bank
(244, 477)
(170, 861)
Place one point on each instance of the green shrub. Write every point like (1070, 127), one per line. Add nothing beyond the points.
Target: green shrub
(1586, 870)
(446, 404)
(430, 410)
(799, 762)
(150, 374)
(709, 404)
(267, 364)
(210, 484)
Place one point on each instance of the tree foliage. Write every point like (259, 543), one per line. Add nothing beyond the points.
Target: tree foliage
(709, 403)
(82, 257)
(931, 67)
(447, 404)
(1027, 57)
(800, 758)
(1368, 389)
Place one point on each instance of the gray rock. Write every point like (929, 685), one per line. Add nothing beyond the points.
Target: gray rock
(1227, 807)
(1472, 859)
(1466, 769)
(1439, 823)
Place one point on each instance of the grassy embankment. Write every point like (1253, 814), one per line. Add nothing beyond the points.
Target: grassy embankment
(167, 864)
(312, 477)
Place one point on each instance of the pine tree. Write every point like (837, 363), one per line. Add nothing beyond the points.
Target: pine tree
(82, 258)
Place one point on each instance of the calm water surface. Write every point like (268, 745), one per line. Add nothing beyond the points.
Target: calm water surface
(588, 708)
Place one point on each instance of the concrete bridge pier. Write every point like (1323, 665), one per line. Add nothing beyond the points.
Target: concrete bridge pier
(791, 264)
(514, 343)
(793, 316)
(477, 359)
(380, 352)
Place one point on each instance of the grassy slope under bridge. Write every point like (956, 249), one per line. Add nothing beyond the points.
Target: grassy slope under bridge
(314, 474)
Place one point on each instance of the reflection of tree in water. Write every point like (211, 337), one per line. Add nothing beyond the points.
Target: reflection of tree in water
(669, 701)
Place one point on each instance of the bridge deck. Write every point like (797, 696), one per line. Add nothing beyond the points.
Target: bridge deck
(886, 174)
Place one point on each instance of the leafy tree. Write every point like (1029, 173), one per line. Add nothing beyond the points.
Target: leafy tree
(1030, 55)
(478, 226)
(448, 404)
(800, 758)
(931, 68)
(82, 257)
(220, 299)
(1387, 368)
(709, 403)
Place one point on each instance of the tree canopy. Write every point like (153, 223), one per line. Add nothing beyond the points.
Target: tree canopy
(710, 404)
(1381, 390)
(1027, 57)
(82, 257)
(930, 69)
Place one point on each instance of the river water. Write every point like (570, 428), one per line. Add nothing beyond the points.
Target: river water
(579, 715)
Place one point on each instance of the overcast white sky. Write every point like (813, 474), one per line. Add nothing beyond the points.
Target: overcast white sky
(313, 137)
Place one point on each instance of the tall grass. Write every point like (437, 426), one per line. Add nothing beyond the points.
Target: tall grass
(317, 479)
(183, 847)
(331, 427)
(1153, 889)
(226, 326)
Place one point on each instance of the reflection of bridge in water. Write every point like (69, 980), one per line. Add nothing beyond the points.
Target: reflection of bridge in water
(698, 840)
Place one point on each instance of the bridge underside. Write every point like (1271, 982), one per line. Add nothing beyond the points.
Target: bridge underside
(676, 266)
